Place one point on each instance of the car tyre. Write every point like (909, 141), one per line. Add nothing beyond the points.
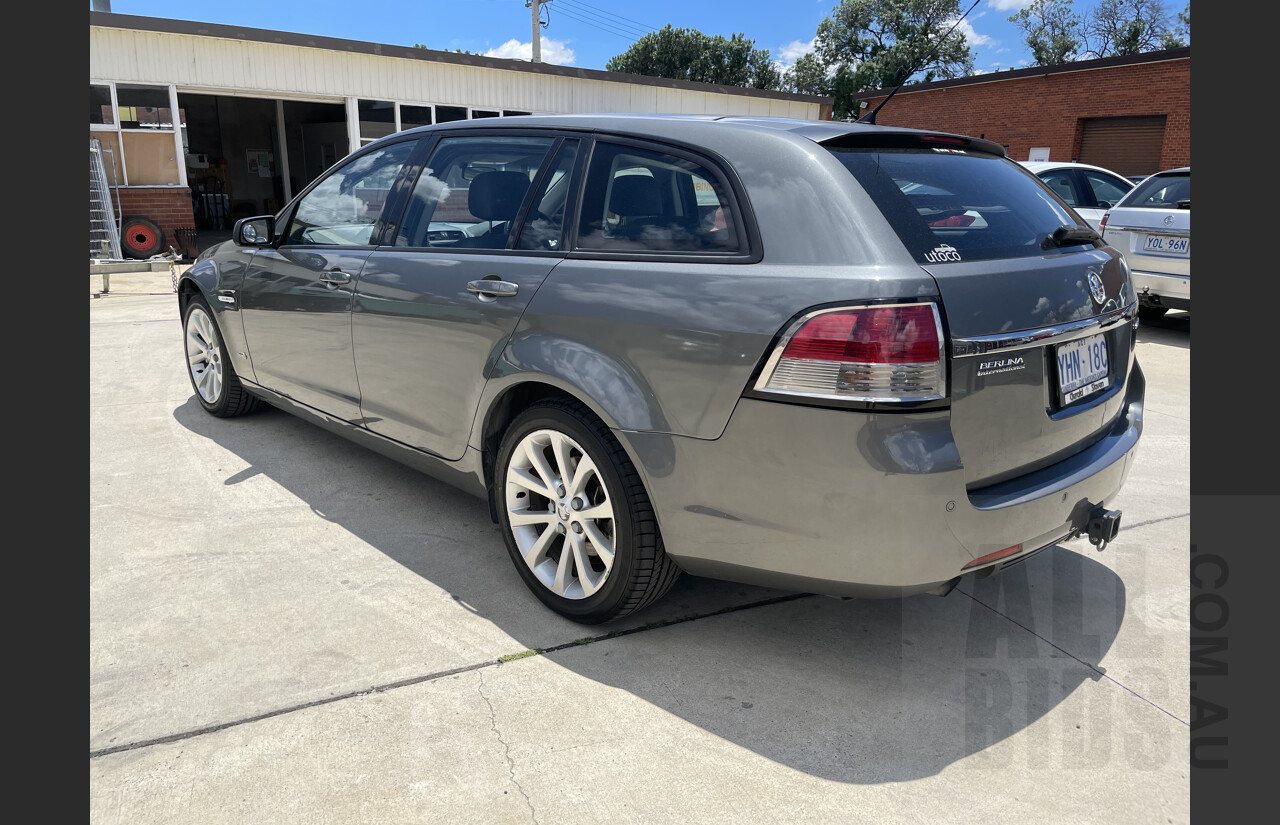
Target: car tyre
(1150, 313)
(140, 238)
(577, 521)
(214, 379)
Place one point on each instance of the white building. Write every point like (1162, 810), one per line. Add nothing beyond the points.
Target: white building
(262, 113)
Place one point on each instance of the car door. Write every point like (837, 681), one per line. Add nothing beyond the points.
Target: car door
(435, 306)
(1069, 186)
(1100, 192)
(296, 296)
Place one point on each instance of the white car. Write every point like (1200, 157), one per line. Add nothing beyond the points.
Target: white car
(1151, 227)
(1090, 190)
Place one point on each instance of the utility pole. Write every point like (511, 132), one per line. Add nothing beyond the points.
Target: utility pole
(537, 30)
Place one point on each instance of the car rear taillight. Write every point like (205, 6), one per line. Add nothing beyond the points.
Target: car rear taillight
(1102, 224)
(889, 352)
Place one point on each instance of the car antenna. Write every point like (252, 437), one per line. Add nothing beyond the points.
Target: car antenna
(870, 117)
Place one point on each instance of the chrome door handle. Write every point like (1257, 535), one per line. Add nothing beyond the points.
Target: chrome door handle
(335, 276)
(498, 289)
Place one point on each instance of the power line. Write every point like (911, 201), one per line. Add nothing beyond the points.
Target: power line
(587, 8)
(607, 24)
(630, 36)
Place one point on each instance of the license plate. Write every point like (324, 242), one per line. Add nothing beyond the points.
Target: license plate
(1083, 368)
(1167, 245)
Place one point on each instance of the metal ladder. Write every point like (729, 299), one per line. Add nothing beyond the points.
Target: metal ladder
(104, 232)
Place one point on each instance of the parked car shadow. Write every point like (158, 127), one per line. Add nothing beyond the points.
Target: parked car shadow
(847, 690)
(1174, 330)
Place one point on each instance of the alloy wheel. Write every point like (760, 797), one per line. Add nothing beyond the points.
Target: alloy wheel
(560, 514)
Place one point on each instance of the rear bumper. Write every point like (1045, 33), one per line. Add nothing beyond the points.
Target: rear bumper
(1157, 289)
(860, 504)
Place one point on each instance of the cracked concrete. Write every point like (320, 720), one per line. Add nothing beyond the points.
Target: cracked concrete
(284, 627)
(506, 747)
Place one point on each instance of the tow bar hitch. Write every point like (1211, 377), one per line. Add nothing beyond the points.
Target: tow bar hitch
(1097, 522)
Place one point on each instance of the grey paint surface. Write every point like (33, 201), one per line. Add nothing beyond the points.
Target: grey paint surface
(663, 352)
(298, 328)
(424, 344)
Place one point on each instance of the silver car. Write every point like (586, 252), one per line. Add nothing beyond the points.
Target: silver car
(1151, 226)
(826, 357)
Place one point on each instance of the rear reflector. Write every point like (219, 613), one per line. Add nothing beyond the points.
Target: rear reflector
(871, 353)
(990, 557)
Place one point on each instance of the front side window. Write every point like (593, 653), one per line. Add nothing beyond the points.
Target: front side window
(1106, 189)
(639, 200)
(471, 190)
(950, 204)
(343, 209)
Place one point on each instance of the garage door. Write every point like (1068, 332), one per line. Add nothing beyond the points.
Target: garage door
(1128, 145)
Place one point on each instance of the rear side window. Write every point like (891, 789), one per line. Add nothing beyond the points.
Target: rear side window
(639, 200)
(950, 205)
(1162, 192)
(471, 191)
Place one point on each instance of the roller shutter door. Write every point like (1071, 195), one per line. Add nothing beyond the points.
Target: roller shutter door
(1127, 145)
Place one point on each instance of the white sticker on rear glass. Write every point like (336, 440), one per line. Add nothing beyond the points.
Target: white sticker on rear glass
(942, 254)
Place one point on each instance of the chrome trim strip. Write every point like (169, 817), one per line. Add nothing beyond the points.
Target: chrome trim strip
(1180, 233)
(1045, 336)
(774, 357)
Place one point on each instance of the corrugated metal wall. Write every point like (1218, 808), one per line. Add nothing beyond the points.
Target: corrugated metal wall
(281, 71)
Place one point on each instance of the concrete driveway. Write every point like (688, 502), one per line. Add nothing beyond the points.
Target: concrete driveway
(285, 627)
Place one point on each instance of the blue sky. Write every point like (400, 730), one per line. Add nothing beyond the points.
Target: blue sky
(582, 33)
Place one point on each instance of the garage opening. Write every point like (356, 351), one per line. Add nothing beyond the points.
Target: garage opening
(1128, 145)
(237, 165)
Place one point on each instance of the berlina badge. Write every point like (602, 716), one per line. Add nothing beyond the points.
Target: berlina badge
(1096, 288)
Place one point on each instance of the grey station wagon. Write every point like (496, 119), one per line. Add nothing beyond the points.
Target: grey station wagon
(834, 358)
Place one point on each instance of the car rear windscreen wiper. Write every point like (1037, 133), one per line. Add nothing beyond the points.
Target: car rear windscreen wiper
(1067, 235)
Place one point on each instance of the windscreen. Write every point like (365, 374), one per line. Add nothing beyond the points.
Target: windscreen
(952, 204)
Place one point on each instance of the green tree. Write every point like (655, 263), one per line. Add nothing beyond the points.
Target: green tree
(878, 44)
(688, 54)
(808, 76)
(1049, 27)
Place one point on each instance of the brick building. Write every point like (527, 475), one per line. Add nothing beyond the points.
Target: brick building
(1129, 114)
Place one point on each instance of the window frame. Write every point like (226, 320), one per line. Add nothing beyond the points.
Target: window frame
(177, 129)
(750, 250)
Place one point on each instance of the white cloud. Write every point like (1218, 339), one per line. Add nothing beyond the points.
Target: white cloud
(1009, 5)
(550, 51)
(793, 51)
(972, 36)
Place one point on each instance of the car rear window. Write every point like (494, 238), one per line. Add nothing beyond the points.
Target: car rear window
(1171, 191)
(953, 204)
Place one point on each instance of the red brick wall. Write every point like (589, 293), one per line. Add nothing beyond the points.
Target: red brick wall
(1047, 110)
(168, 207)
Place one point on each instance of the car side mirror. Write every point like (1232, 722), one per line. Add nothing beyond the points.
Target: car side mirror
(257, 231)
